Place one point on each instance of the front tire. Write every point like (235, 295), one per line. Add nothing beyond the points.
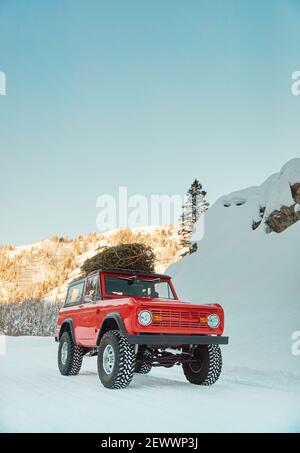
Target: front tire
(208, 366)
(69, 356)
(116, 360)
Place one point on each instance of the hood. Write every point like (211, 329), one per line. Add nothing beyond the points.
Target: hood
(178, 304)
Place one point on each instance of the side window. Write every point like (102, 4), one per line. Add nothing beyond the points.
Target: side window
(75, 294)
(92, 289)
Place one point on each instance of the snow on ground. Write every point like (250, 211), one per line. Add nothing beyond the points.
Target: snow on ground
(34, 397)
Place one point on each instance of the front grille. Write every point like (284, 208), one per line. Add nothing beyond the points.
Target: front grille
(181, 319)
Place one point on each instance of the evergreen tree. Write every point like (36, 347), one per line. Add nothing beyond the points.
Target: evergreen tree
(182, 231)
(195, 205)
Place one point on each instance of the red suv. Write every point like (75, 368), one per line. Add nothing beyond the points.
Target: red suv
(134, 321)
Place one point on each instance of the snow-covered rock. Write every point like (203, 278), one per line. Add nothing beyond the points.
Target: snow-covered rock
(254, 275)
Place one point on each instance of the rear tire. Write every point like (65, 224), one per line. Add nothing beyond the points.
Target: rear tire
(207, 369)
(69, 356)
(116, 360)
(143, 367)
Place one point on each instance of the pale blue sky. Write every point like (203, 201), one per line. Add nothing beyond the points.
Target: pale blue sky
(146, 94)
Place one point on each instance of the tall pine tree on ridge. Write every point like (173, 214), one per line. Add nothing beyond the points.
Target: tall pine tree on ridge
(194, 207)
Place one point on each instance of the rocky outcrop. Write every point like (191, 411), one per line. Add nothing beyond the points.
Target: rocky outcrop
(280, 220)
(295, 188)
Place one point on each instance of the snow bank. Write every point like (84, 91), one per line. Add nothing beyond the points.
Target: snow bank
(272, 194)
(254, 275)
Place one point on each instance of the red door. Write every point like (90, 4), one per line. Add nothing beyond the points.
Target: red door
(89, 310)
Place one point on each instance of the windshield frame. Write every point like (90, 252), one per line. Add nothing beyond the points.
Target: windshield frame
(142, 277)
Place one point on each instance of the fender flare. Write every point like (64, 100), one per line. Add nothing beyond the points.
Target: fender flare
(68, 322)
(116, 317)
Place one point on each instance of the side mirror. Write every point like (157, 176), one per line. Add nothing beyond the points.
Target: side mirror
(87, 299)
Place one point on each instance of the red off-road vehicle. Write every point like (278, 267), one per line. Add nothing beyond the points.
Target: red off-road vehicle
(134, 321)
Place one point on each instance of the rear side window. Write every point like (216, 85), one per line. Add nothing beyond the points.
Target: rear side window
(75, 294)
(92, 288)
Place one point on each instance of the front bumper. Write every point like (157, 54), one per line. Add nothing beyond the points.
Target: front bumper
(175, 340)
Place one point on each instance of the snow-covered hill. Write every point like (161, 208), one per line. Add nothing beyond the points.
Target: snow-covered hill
(254, 275)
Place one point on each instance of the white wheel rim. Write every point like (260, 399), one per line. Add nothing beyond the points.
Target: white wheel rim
(108, 359)
(64, 353)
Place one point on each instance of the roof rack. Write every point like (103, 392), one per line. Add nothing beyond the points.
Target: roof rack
(123, 272)
(133, 272)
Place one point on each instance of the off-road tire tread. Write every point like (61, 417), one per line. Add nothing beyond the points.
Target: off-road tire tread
(76, 356)
(126, 360)
(214, 367)
(143, 367)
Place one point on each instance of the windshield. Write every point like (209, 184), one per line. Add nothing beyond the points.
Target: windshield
(138, 287)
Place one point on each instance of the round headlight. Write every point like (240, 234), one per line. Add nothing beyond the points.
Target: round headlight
(145, 317)
(213, 321)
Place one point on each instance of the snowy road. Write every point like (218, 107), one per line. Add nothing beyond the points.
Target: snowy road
(34, 397)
